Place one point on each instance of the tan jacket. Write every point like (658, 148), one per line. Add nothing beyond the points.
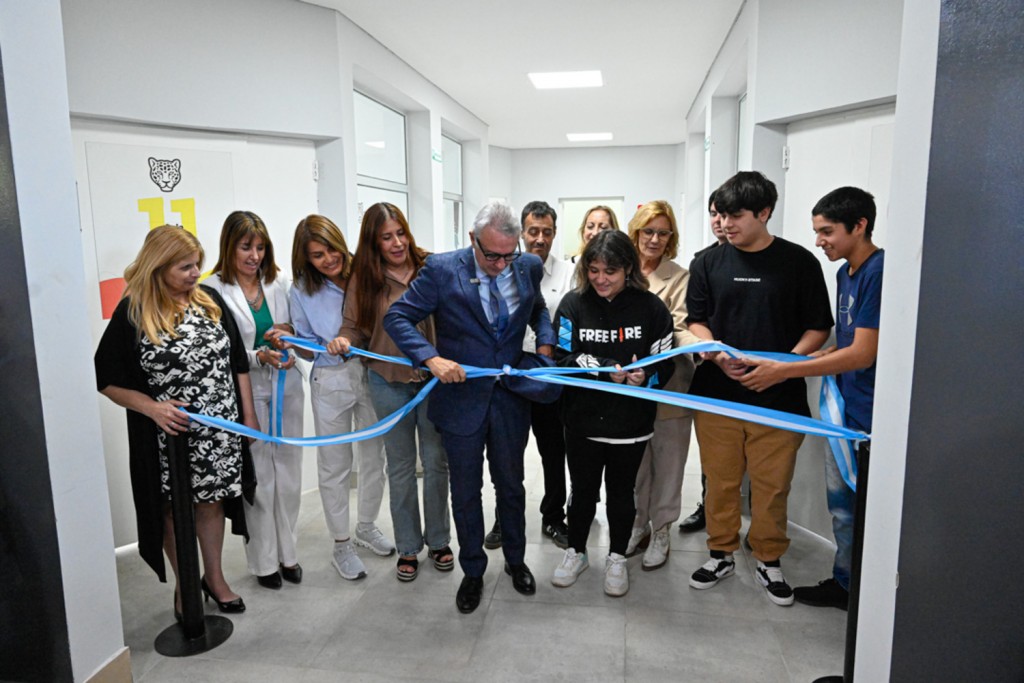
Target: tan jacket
(378, 340)
(668, 282)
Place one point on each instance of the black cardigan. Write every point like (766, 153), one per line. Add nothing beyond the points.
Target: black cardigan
(117, 364)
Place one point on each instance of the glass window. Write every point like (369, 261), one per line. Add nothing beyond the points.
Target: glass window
(367, 196)
(451, 156)
(380, 141)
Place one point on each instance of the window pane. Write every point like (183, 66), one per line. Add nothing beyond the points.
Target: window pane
(380, 140)
(368, 196)
(451, 155)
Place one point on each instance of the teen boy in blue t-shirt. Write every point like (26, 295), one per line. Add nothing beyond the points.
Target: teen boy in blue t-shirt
(843, 221)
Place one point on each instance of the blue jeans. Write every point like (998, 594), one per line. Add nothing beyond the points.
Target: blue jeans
(842, 504)
(400, 444)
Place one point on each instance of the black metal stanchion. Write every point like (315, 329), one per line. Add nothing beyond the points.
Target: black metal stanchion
(863, 456)
(197, 632)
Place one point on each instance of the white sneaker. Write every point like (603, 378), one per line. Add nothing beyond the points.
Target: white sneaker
(638, 539)
(569, 569)
(713, 571)
(347, 562)
(774, 583)
(656, 554)
(616, 575)
(369, 536)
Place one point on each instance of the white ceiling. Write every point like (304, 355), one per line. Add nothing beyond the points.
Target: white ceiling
(654, 55)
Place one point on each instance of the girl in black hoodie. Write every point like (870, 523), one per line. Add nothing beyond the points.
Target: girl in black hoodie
(610, 320)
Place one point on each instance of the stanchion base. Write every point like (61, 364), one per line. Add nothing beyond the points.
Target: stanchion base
(172, 641)
(829, 679)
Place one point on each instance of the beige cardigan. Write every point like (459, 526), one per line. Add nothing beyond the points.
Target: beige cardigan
(668, 282)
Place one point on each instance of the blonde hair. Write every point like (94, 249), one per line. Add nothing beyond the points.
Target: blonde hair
(237, 226)
(647, 213)
(317, 228)
(611, 219)
(150, 307)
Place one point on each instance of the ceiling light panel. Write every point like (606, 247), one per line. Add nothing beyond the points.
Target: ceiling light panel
(588, 137)
(551, 80)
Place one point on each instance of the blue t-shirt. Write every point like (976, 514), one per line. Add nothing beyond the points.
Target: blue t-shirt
(860, 298)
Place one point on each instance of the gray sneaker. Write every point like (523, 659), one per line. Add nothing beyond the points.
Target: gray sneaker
(347, 562)
(371, 537)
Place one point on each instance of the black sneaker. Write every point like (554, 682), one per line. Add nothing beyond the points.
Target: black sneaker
(493, 539)
(770, 576)
(694, 522)
(558, 532)
(827, 593)
(718, 567)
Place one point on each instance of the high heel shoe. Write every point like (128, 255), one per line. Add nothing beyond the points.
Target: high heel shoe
(230, 607)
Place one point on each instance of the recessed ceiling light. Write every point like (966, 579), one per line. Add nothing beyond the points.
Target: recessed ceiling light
(376, 144)
(566, 79)
(588, 137)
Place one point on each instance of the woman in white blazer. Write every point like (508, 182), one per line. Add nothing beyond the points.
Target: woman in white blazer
(256, 294)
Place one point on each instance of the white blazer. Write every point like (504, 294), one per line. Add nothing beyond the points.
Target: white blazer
(263, 379)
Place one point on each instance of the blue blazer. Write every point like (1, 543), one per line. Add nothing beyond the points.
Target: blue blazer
(444, 289)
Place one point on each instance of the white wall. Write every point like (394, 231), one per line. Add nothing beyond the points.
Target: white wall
(897, 336)
(818, 57)
(37, 107)
(638, 174)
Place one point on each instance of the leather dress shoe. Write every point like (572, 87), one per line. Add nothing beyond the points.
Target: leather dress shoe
(493, 539)
(694, 522)
(272, 581)
(522, 578)
(470, 590)
(292, 574)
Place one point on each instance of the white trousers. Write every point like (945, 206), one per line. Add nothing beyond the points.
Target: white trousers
(274, 514)
(341, 404)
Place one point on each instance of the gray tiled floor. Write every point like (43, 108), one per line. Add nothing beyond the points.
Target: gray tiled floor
(378, 629)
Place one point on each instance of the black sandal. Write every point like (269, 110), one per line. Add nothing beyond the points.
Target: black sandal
(407, 562)
(439, 564)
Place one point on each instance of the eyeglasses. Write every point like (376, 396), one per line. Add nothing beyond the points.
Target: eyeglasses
(651, 232)
(492, 257)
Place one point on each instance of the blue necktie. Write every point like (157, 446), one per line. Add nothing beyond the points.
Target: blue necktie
(499, 309)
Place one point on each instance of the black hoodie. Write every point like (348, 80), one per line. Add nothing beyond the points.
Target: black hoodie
(595, 332)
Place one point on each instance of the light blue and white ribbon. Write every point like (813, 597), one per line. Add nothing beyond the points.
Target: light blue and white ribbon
(831, 427)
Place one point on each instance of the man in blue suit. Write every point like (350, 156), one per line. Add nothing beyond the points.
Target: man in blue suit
(482, 298)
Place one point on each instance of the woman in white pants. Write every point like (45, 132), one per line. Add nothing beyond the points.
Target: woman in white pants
(321, 265)
(256, 294)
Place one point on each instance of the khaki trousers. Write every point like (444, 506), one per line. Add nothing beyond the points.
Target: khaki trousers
(730, 447)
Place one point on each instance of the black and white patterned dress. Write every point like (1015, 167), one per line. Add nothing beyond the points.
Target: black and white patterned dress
(195, 367)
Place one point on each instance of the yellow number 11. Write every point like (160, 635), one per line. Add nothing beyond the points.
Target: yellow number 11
(154, 206)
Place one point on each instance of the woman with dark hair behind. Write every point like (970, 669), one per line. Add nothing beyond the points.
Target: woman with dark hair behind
(609, 320)
(256, 294)
(169, 345)
(322, 266)
(386, 262)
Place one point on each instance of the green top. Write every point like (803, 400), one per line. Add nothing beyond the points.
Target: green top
(263, 322)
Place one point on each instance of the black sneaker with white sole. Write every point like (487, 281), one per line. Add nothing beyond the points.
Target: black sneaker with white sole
(711, 572)
(770, 576)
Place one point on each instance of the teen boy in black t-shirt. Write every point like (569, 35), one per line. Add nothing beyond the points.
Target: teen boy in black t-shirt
(758, 293)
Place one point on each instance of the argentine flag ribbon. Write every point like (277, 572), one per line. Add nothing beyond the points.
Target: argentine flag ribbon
(841, 439)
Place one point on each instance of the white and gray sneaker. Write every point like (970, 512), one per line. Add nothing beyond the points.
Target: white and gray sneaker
(712, 571)
(616, 575)
(639, 539)
(770, 576)
(656, 554)
(369, 536)
(347, 562)
(569, 569)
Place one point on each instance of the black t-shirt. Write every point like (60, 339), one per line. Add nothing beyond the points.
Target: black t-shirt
(757, 301)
